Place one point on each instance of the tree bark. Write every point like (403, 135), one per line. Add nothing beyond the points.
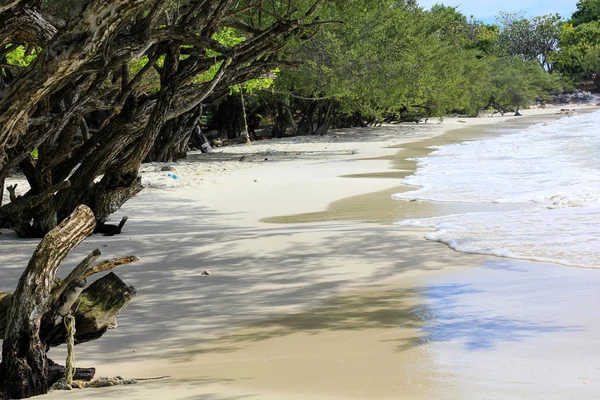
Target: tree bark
(83, 71)
(96, 311)
(32, 316)
(98, 307)
(25, 25)
(71, 48)
(24, 364)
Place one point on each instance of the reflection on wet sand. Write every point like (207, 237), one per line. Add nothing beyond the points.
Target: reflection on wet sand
(483, 333)
(429, 338)
(355, 345)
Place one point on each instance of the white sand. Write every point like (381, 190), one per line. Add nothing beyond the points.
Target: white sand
(321, 311)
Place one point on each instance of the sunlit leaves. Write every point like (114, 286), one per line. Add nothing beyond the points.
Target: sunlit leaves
(579, 55)
(19, 56)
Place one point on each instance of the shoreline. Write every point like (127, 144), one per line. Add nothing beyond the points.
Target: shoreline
(380, 207)
(283, 302)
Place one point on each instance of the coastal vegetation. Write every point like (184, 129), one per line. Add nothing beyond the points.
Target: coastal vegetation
(395, 61)
(579, 38)
(90, 89)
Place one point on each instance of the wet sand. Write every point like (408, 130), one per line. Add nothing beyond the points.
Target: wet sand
(382, 208)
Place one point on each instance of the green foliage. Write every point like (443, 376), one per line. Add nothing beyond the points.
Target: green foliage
(529, 38)
(209, 74)
(516, 83)
(392, 56)
(579, 55)
(487, 41)
(18, 57)
(256, 85)
(228, 37)
(383, 57)
(587, 11)
(150, 80)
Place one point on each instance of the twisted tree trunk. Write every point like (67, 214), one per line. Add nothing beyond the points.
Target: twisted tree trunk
(84, 68)
(31, 319)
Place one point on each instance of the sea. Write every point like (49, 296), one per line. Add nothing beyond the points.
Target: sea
(551, 171)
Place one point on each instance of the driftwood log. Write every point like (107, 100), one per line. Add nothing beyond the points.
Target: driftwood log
(31, 318)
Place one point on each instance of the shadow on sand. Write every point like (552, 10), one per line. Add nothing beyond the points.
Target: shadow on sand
(179, 311)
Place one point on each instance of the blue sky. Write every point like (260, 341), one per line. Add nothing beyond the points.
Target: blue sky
(486, 10)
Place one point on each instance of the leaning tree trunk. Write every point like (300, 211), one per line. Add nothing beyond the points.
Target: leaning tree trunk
(32, 317)
(171, 143)
(82, 69)
(325, 118)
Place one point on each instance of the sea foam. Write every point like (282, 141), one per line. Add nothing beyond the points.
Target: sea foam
(554, 167)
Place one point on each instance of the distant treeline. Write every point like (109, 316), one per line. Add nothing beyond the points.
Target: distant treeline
(392, 60)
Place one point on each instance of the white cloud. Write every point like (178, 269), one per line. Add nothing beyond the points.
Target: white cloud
(488, 9)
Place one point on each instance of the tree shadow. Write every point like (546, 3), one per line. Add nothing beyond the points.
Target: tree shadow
(264, 275)
(177, 240)
(373, 307)
(15, 253)
(438, 318)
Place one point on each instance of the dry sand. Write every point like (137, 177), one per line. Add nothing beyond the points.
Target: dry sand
(334, 309)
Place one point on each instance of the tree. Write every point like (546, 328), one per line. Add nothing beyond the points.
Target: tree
(579, 54)
(530, 39)
(91, 97)
(393, 61)
(515, 83)
(387, 60)
(485, 39)
(101, 91)
(587, 11)
(33, 315)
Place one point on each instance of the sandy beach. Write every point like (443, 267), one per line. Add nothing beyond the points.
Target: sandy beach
(313, 293)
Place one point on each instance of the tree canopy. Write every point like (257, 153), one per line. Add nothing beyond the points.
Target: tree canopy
(116, 82)
(587, 11)
(578, 56)
(530, 38)
(396, 60)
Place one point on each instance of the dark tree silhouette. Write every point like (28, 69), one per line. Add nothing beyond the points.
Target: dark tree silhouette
(119, 81)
